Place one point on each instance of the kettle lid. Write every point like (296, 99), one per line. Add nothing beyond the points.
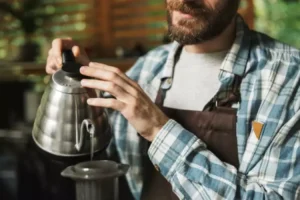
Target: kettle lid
(69, 65)
(67, 79)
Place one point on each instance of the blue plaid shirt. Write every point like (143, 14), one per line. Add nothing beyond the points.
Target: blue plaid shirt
(269, 163)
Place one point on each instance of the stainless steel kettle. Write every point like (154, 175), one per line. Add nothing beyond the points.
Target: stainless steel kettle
(65, 125)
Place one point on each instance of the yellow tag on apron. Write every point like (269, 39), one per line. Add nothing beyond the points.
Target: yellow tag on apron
(257, 128)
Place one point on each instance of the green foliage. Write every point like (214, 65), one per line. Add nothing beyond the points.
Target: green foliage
(279, 19)
(26, 12)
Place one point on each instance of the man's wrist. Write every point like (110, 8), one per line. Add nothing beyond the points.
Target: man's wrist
(156, 129)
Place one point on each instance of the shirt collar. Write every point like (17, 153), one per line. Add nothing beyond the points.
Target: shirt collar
(235, 60)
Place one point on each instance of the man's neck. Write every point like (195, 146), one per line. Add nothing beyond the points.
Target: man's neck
(220, 43)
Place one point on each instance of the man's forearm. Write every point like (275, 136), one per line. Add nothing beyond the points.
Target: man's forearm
(196, 173)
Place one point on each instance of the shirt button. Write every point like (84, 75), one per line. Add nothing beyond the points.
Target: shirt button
(169, 80)
(157, 168)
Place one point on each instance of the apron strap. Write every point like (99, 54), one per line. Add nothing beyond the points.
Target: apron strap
(233, 96)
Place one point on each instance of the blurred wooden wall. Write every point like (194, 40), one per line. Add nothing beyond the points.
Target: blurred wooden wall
(247, 11)
(99, 25)
(128, 22)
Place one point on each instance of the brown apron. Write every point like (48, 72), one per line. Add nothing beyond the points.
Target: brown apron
(215, 126)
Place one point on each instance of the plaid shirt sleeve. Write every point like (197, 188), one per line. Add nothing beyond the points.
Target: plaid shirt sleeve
(196, 173)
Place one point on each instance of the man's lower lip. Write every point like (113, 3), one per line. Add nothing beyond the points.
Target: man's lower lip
(183, 14)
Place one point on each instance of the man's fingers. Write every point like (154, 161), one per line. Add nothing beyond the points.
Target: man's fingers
(58, 45)
(54, 60)
(76, 51)
(115, 70)
(109, 76)
(80, 56)
(53, 63)
(51, 66)
(114, 89)
(107, 103)
(103, 66)
(62, 43)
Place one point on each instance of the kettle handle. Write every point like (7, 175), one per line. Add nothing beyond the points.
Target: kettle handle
(90, 128)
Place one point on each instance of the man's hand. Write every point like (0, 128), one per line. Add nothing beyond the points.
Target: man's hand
(130, 99)
(54, 60)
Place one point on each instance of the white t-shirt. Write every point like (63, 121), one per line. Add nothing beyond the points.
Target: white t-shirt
(195, 80)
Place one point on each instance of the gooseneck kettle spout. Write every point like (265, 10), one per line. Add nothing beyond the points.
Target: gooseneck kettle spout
(90, 128)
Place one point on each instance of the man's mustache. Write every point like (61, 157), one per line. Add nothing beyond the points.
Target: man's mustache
(191, 8)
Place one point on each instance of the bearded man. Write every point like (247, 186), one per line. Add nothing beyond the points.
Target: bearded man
(213, 115)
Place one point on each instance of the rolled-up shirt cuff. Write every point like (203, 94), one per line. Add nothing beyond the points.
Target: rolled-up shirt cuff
(169, 147)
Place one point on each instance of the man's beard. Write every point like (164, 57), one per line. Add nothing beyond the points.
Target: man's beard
(206, 24)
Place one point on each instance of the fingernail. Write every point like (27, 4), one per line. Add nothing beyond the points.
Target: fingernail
(89, 101)
(82, 69)
(58, 63)
(59, 60)
(83, 82)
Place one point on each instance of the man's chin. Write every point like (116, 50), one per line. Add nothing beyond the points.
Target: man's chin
(182, 31)
(185, 30)
(184, 38)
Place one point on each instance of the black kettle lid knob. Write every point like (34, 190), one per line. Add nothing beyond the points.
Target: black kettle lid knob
(68, 56)
(69, 64)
